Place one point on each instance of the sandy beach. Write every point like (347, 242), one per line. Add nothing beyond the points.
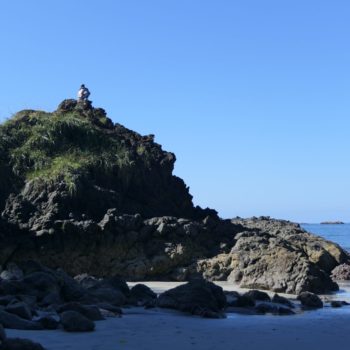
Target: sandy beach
(163, 329)
(151, 329)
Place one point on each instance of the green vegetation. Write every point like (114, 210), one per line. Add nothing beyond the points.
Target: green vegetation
(48, 146)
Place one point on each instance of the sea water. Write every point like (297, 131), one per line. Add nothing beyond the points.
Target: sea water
(339, 234)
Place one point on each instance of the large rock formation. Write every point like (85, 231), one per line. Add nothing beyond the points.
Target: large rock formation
(82, 193)
(276, 255)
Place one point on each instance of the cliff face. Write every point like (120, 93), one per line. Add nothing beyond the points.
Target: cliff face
(82, 193)
(75, 163)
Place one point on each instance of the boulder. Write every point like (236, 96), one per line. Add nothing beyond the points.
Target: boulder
(12, 321)
(48, 322)
(52, 298)
(73, 321)
(13, 287)
(86, 281)
(20, 344)
(2, 334)
(108, 295)
(339, 303)
(341, 272)
(115, 283)
(258, 295)
(282, 300)
(71, 290)
(310, 300)
(12, 272)
(116, 311)
(242, 301)
(92, 312)
(141, 295)
(20, 309)
(198, 297)
(7, 299)
(42, 283)
(275, 309)
(231, 298)
(48, 319)
(112, 290)
(30, 300)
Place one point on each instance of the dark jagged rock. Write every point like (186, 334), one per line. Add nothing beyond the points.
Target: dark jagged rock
(73, 321)
(197, 297)
(310, 300)
(234, 299)
(339, 303)
(90, 311)
(138, 180)
(282, 300)
(12, 272)
(258, 295)
(141, 295)
(2, 334)
(276, 255)
(9, 320)
(48, 322)
(275, 309)
(20, 309)
(20, 344)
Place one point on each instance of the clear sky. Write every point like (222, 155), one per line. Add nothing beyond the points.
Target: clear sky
(251, 95)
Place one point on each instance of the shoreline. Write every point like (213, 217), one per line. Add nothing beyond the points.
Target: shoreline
(163, 329)
(149, 329)
(161, 286)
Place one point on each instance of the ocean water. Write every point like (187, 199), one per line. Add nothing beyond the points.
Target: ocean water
(337, 233)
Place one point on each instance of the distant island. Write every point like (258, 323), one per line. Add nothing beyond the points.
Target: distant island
(332, 223)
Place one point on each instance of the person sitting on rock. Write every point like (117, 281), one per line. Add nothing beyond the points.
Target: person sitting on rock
(83, 93)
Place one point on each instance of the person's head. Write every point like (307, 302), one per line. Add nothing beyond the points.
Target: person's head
(82, 86)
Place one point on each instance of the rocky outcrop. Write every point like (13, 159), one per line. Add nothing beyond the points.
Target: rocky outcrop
(263, 254)
(133, 174)
(276, 255)
(91, 196)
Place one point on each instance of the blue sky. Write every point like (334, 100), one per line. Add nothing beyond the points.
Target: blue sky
(252, 96)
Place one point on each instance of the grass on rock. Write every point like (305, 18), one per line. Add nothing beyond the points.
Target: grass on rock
(48, 146)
